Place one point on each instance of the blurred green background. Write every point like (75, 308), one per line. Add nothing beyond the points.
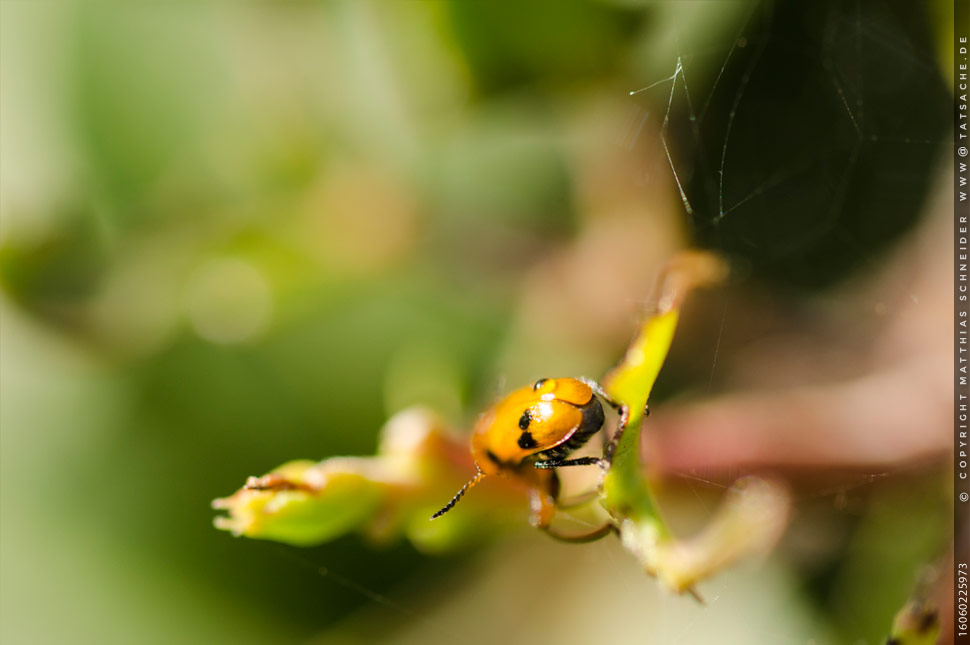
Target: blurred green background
(235, 234)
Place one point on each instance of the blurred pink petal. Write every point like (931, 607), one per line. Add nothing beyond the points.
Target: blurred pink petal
(885, 418)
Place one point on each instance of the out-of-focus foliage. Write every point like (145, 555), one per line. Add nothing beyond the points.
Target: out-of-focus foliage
(233, 234)
(381, 497)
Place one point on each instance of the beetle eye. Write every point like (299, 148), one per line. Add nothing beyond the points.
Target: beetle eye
(539, 383)
(524, 420)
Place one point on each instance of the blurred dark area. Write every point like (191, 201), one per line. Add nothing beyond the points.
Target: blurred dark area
(825, 122)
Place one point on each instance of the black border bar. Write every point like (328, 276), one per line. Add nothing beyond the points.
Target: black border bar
(961, 318)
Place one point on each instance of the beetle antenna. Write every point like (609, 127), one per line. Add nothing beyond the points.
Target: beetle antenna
(454, 500)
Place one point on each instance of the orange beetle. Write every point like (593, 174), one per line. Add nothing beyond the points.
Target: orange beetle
(532, 431)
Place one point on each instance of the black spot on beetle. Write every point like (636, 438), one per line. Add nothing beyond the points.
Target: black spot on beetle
(524, 420)
(535, 388)
(526, 441)
(491, 456)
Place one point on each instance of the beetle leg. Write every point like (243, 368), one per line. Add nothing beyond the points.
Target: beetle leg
(579, 461)
(543, 502)
(620, 427)
(622, 408)
(598, 389)
(579, 538)
(542, 508)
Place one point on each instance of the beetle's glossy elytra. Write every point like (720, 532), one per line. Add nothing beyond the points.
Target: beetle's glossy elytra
(533, 420)
(530, 432)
